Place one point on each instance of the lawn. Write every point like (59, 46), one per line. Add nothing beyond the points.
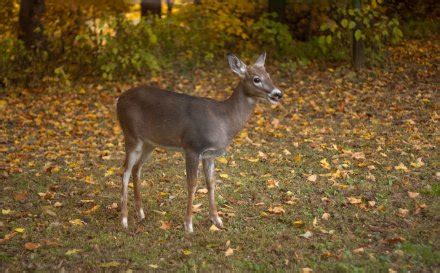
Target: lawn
(342, 176)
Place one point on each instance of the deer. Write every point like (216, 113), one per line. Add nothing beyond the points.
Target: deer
(201, 128)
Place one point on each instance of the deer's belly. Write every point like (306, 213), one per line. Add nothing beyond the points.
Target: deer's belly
(213, 153)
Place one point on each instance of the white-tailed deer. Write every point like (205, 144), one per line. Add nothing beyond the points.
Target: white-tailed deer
(202, 128)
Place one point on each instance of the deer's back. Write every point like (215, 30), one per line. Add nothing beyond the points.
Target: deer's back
(170, 119)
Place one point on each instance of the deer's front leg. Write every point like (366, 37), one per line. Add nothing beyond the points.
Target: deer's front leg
(192, 166)
(208, 168)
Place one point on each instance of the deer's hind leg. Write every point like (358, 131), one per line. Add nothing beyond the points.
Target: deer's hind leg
(192, 164)
(133, 151)
(147, 149)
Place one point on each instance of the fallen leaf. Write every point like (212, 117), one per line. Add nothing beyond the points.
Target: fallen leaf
(418, 164)
(153, 265)
(110, 264)
(186, 252)
(306, 270)
(277, 210)
(325, 216)
(93, 209)
(197, 208)
(403, 212)
(272, 183)
(312, 178)
(371, 203)
(354, 200)
(19, 230)
(57, 204)
(213, 228)
(413, 195)
(31, 246)
(325, 164)
(72, 251)
(204, 190)
(77, 222)
(229, 252)
(6, 211)
(165, 225)
(298, 223)
(401, 167)
(358, 250)
(222, 160)
(20, 197)
(224, 176)
(358, 155)
(306, 235)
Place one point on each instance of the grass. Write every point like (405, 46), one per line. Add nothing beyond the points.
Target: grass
(63, 155)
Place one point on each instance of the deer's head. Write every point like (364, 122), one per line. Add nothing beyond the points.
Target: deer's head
(256, 81)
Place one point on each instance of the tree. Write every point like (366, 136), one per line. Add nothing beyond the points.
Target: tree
(278, 7)
(358, 44)
(153, 7)
(31, 30)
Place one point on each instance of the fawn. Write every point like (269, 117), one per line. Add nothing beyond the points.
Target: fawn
(202, 128)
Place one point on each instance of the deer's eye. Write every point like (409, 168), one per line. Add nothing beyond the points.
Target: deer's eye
(257, 80)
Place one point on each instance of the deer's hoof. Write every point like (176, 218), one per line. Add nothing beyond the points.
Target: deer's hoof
(141, 214)
(217, 221)
(189, 227)
(125, 222)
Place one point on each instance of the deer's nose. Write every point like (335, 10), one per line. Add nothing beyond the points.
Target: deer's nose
(276, 93)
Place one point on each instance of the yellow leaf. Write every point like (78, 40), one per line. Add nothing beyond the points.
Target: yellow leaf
(72, 251)
(153, 265)
(401, 167)
(110, 264)
(325, 164)
(186, 252)
(19, 230)
(76, 222)
(93, 209)
(419, 163)
(224, 176)
(213, 228)
(298, 223)
(6, 211)
(2, 104)
(306, 270)
(354, 200)
(297, 158)
(222, 160)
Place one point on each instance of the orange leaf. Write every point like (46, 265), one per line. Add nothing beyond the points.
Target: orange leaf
(31, 246)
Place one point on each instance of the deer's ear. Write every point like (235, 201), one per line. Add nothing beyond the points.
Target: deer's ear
(261, 59)
(237, 65)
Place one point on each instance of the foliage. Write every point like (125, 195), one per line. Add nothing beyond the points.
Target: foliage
(95, 38)
(369, 24)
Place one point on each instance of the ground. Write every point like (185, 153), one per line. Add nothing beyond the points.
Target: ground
(342, 176)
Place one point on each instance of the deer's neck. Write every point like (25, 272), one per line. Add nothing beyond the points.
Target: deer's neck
(239, 108)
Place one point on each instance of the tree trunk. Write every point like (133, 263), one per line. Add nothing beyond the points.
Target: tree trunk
(31, 30)
(153, 7)
(170, 5)
(358, 46)
(279, 7)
